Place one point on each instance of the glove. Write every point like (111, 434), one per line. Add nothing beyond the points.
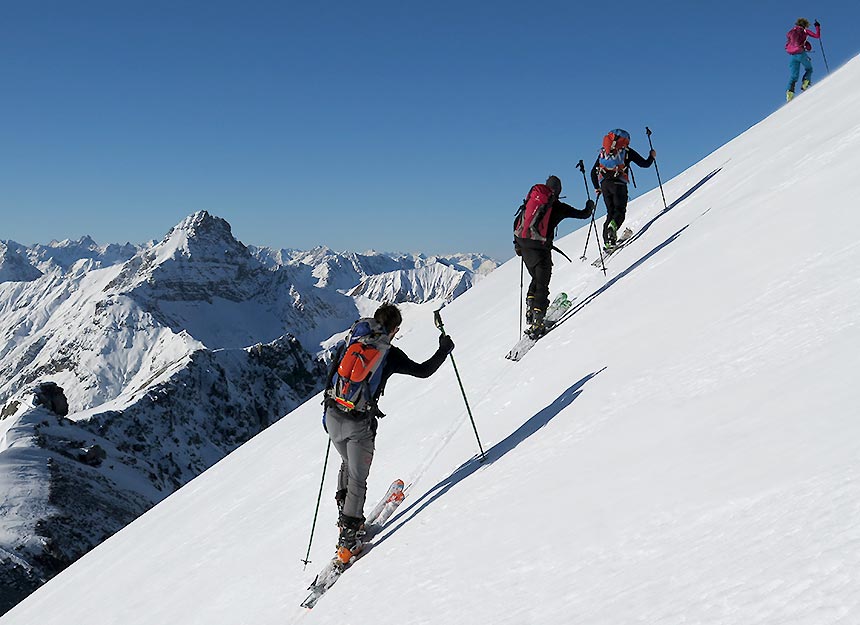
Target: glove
(589, 206)
(446, 344)
(817, 25)
(653, 153)
(517, 249)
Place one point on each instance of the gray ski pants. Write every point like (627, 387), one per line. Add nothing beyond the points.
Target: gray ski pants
(354, 441)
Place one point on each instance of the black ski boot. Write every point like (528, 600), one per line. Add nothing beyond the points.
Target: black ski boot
(530, 310)
(536, 328)
(610, 235)
(349, 541)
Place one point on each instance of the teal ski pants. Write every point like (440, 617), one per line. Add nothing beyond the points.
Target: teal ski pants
(794, 63)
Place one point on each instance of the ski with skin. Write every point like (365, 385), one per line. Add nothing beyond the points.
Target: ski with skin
(373, 525)
(560, 305)
(625, 238)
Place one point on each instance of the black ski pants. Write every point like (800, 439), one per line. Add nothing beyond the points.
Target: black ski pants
(615, 197)
(538, 261)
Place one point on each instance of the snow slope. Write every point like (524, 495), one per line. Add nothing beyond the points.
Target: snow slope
(682, 449)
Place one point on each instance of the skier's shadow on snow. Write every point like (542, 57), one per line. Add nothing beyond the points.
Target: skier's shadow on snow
(689, 192)
(686, 194)
(586, 301)
(498, 450)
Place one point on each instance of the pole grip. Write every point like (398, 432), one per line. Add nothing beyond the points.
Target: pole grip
(657, 169)
(581, 167)
(437, 319)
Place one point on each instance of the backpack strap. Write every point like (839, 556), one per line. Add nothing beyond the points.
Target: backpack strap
(562, 253)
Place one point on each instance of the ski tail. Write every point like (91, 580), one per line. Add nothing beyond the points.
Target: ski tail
(375, 520)
(623, 240)
(392, 499)
(560, 305)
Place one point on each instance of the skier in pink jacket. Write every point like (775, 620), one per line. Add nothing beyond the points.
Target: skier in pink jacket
(797, 46)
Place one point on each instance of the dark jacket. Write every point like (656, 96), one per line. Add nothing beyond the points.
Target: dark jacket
(560, 211)
(632, 157)
(398, 362)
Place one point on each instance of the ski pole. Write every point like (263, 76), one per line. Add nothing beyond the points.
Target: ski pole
(319, 498)
(660, 182)
(823, 55)
(596, 235)
(581, 167)
(437, 318)
(522, 265)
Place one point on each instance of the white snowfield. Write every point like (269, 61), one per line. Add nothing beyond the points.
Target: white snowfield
(684, 448)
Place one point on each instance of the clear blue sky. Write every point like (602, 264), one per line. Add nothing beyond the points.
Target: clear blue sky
(398, 126)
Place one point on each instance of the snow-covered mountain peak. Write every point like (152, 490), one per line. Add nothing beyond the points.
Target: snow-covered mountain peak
(202, 237)
(345, 271)
(14, 265)
(197, 260)
(60, 256)
(440, 279)
(85, 242)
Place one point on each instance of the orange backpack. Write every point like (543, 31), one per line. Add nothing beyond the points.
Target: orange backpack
(354, 383)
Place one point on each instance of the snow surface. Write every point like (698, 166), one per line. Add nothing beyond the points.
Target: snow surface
(683, 449)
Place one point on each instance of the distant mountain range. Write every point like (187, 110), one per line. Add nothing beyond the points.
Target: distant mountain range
(171, 354)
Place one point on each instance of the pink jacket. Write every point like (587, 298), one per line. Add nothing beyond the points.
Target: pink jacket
(796, 39)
